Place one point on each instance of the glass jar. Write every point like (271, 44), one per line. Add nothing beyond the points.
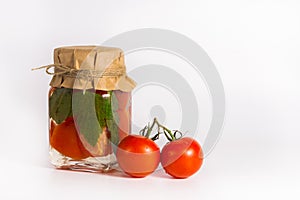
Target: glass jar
(89, 107)
(81, 136)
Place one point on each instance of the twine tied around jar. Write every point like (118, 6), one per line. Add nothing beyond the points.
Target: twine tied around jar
(87, 74)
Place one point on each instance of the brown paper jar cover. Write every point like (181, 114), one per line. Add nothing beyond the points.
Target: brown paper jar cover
(91, 67)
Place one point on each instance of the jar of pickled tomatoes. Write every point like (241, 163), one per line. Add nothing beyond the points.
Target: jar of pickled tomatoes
(89, 107)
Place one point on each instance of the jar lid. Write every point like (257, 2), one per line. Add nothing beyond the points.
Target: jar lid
(87, 67)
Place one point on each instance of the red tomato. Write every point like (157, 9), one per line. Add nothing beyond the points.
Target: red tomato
(124, 123)
(65, 139)
(124, 99)
(182, 158)
(138, 156)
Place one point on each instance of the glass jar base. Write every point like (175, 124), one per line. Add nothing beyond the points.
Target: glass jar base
(91, 164)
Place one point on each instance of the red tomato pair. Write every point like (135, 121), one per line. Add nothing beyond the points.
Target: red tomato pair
(139, 156)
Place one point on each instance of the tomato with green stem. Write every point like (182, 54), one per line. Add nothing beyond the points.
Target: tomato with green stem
(182, 156)
(138, 156)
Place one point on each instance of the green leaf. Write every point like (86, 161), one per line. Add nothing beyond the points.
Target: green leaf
(103, 109)
(85, 116)
(60, 104)
(91, 111)
(113, 124)
(114, 102)
(106, 108)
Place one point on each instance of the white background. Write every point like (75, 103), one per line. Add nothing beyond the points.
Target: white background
(255, 45)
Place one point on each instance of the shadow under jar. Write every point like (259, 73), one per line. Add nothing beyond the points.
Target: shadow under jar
(88, 116)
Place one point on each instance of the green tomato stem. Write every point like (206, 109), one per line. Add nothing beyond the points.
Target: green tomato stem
(165, 129)
(161, 129)
(150, 129)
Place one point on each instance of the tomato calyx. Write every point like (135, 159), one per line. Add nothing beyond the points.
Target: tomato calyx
(161, 129)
